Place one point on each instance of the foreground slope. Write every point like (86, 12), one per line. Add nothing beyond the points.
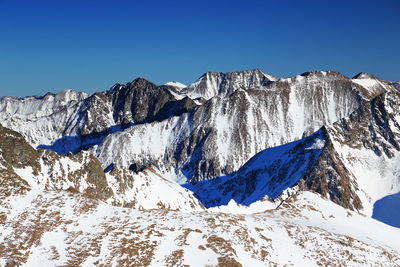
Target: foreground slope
(53, 228)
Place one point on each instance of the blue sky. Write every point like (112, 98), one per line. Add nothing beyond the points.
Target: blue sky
(90, 45)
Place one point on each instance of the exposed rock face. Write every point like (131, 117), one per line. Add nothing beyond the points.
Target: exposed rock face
(269, 173)
(141, 101)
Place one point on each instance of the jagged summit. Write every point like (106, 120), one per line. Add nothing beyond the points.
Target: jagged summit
(140, 81)
(321, 73)
(135, 83)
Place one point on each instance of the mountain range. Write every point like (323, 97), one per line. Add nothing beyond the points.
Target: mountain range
(243, 163)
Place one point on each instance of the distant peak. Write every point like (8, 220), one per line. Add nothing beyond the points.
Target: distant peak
(364, 75)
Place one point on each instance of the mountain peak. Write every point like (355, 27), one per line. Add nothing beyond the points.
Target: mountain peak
(138, 82)
(364, 75)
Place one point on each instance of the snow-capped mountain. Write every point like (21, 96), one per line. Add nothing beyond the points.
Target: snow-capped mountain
(246, 113)
(241, 142)
(219, 136)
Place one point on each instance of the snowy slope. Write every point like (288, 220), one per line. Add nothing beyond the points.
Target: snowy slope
(53, 228)
(291, 169)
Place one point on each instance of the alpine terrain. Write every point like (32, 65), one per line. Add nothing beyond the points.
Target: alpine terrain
(235, 169)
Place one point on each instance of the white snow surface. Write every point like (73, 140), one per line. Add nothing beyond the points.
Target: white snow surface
(39, 119)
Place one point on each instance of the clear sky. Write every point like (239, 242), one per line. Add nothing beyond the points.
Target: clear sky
(90, 45)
